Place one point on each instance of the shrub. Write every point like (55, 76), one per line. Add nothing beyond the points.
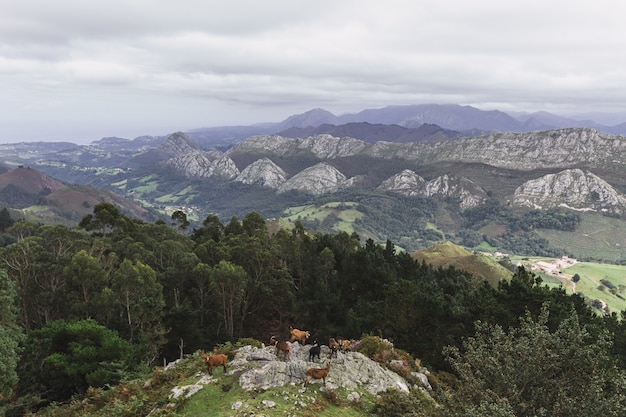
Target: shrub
(248, 341)
(394, 403)
(375, 348)
(65, 358)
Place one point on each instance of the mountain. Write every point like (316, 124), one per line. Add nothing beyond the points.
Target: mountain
(448, 254)
(39, 197)
(263, 172)
(373, 133)
(187, 157)
(409, 183)
(572, 188)
(449, 119)
(319, 179)
(415, 193)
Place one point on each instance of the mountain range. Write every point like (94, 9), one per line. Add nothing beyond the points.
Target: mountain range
(387, 173)
(460, 120)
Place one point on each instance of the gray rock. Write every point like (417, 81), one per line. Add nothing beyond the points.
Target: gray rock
(350, 370)
(571, 188)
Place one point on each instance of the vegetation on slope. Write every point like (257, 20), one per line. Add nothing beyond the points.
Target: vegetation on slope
(165, 292)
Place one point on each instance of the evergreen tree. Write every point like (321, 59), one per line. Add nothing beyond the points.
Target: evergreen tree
(10, 336)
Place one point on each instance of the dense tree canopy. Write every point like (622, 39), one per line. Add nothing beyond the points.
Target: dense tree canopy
(165, 291)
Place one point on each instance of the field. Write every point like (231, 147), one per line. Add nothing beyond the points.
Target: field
(596, 237)
(599, 282)
(343, 214)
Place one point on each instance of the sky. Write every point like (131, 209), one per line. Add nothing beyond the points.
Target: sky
(76, 70)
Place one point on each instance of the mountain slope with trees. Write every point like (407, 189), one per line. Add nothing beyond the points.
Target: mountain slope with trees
(154, 291)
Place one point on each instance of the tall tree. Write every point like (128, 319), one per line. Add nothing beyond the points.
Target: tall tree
(10, 336)
(228, 283)
(87, 281)
(104, 218)
(141, 297)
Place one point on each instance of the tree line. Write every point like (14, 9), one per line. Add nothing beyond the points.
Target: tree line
(127, 294)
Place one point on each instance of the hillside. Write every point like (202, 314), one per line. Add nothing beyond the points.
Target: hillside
(480, 265)
(41, 198)
(474, 191)
(255, 379)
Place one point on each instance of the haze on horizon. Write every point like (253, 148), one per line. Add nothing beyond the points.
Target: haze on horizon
(78, 71)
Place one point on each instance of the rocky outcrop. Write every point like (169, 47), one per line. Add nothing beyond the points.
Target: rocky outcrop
(406, 183)
(320, 146)
(261, 369)
(572, 188)
(463, 189)
(523, 151)
(263, 172)
(187, 158)
(319, 179)
(409, 183)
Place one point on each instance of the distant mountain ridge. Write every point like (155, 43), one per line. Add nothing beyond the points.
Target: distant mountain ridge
(376, 185)
(467, 120)
(372, 133)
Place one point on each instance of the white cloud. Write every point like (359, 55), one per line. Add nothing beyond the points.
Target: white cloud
(251, 61)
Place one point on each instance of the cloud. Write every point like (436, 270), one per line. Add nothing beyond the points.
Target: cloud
(271, 59)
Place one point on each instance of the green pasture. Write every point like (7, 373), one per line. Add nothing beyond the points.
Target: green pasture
(183, 196)
(147, 188)
(597, 237)
(344, 212)
(120, 184)
(590, 285)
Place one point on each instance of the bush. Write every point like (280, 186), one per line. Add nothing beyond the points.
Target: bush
(375, 348)
(394, 403)
(65, 358)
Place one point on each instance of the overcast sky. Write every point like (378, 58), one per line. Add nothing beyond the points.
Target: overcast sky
(80, 70)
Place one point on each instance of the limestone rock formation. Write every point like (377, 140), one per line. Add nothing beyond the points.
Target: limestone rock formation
(572, 188)
(319, 179)
(409, 183)
(263, 172)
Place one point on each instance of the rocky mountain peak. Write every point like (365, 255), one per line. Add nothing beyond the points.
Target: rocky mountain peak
(319, 179)
(406, 183)
(409, 183)
(178, 144)
(572, 188)
(193, 162)
(263, 172)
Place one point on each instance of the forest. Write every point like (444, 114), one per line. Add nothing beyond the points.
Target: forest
(89, 305)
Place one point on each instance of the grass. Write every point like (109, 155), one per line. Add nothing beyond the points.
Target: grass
(597, 237)
(344, 212)
(221, 397)
(149, 187)
(590, 285)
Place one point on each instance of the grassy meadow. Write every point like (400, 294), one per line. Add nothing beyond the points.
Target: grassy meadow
(603, 282)
(596, 237)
